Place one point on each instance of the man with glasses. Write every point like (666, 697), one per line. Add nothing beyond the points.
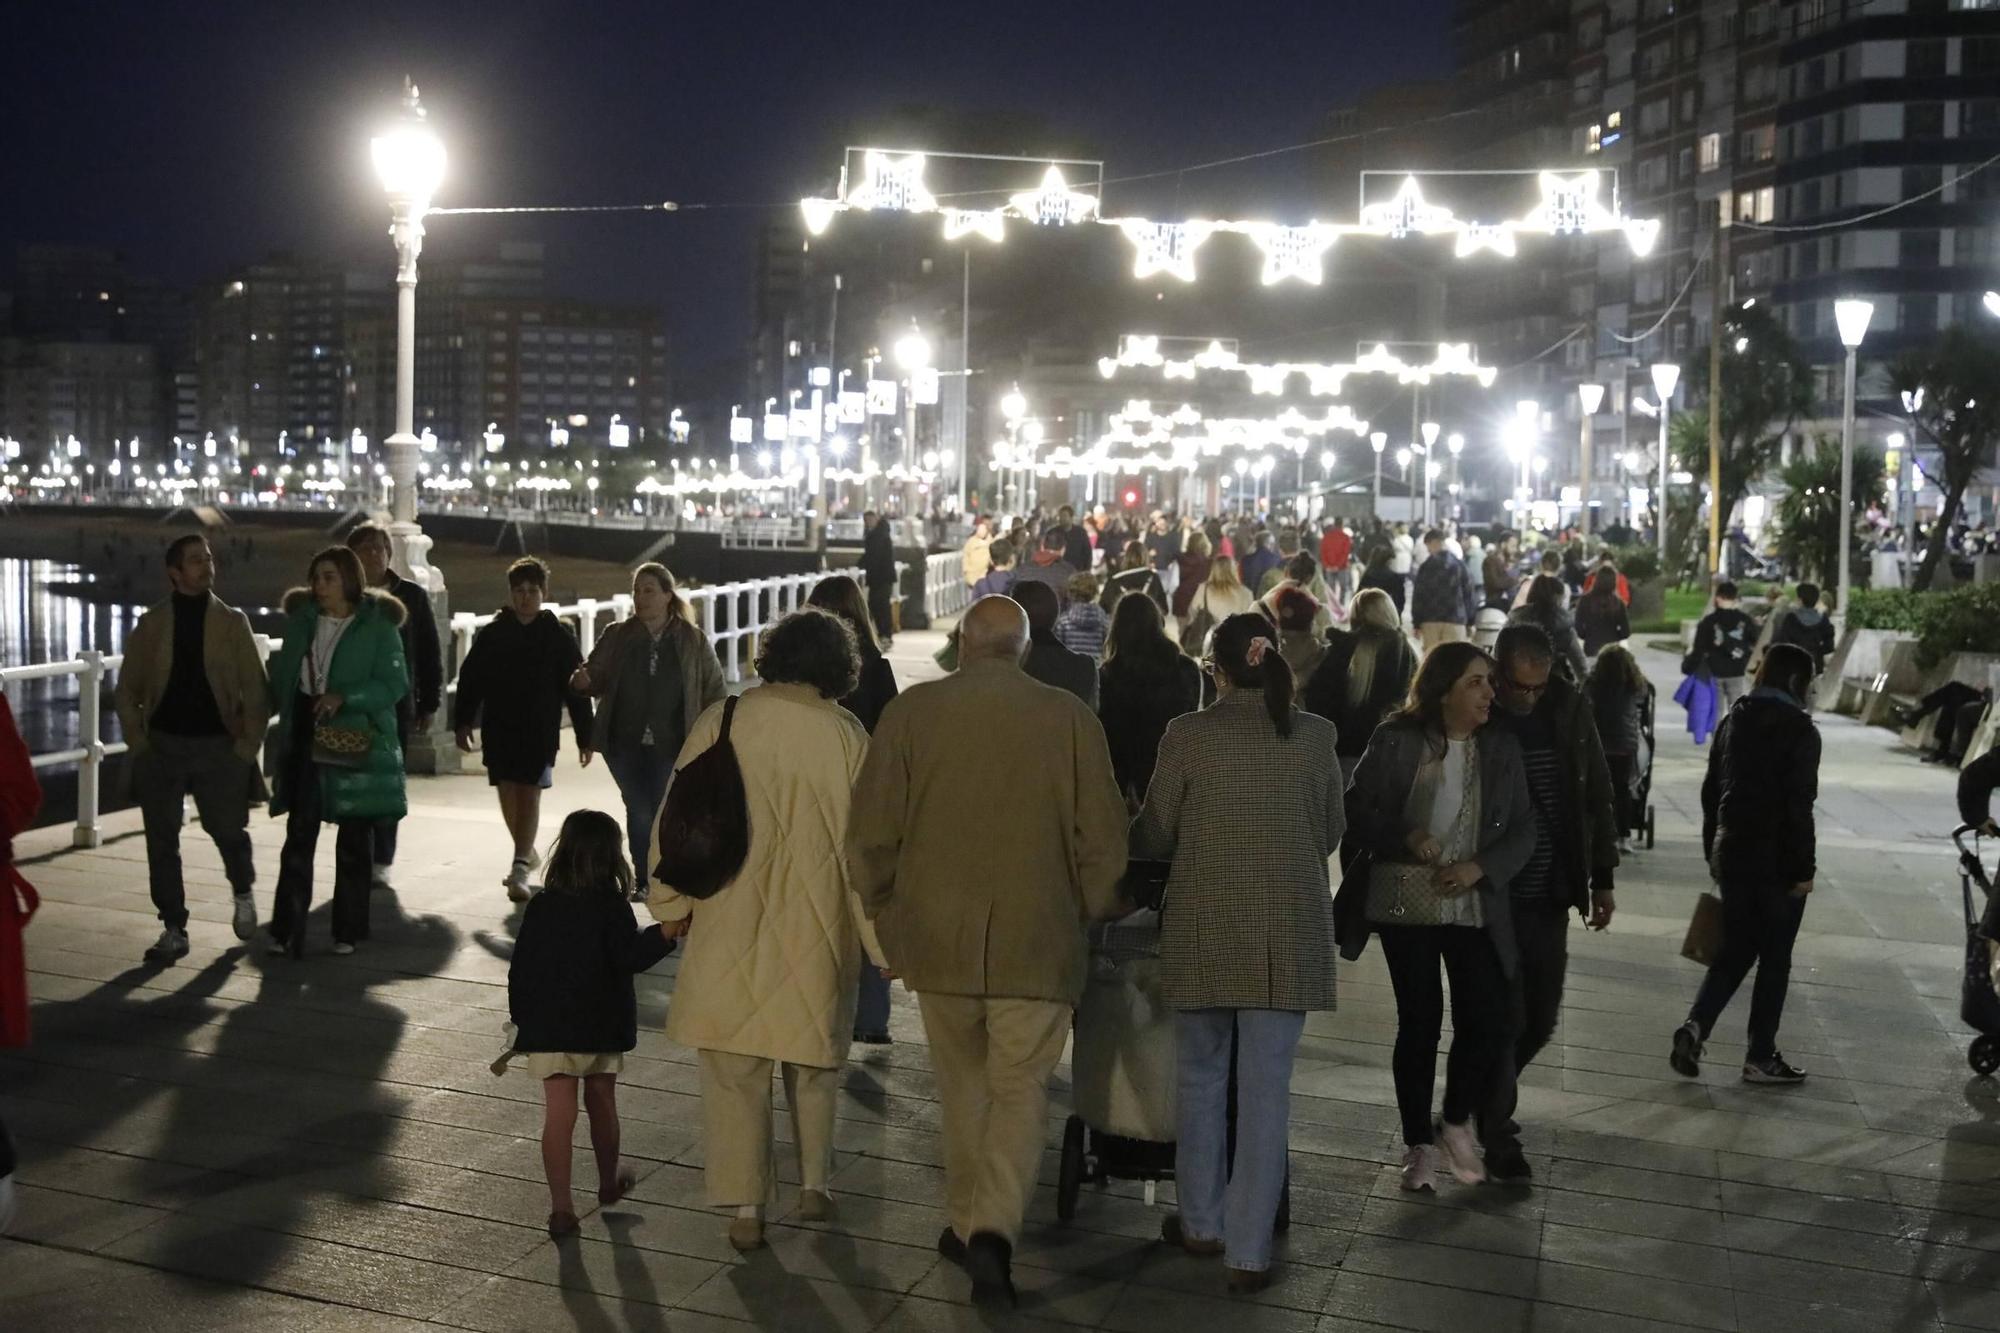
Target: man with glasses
(1576, 851)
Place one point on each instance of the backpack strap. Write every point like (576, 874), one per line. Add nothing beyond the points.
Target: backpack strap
(728, 713)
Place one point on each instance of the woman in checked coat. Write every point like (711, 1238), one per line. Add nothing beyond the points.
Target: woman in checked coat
(1246, 942)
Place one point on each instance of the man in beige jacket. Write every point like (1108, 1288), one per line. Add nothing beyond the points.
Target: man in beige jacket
(194, 704)
(988, 930)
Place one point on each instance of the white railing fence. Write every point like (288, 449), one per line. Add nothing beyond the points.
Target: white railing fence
(945, 593)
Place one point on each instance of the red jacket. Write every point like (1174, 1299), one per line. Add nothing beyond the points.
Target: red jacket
(1335, 548)
(20, 799)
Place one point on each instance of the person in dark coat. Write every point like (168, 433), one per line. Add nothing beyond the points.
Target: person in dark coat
(1364, 676)
(1048, 565)
(1146, 682)
(569, 995)
(1048, 661)
(1135, 574)
(423, 652)
(1600, 613)
(1807, 626)
(1380, 575)
(1618, 691)
(878, 567)
(513, 687)
(1723, 641)
(1193, 563)
(1757, 830)
(1076, 548)
(1544, 610)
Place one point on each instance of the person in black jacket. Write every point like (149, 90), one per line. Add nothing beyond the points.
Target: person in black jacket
(1601, 619)
(1757, 829)
(1380, 576)
(1807, 626)
(513, 687)
(878, 567)
(569, 995)
(1722, 644)
(421, 650)
(1134, 575)
(1047, 660)
(1364, 676)
(1146, 682)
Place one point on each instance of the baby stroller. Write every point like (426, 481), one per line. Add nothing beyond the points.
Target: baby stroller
(1123, 1071)
(1642, 770)
(1978, 1003)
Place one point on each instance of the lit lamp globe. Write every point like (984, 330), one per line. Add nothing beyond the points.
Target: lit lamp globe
(1379, 441)
(1014, 405)
(1430, 431)
(1456, 443)
(1666, 376)
(1591, 396)
(409, 159)
(913, 351)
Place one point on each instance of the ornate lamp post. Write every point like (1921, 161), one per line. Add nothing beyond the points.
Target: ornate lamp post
(1591, 396)
(1666, 375)
(1852, 317)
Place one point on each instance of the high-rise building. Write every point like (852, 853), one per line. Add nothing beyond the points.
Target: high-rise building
(103, 393)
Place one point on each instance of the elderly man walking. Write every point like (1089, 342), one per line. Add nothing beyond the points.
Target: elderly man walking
(194, 704)
(992, 944)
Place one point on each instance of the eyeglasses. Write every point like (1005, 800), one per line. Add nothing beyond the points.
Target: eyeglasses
(1531, 691)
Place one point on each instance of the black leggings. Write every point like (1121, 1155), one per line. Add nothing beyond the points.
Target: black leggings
(1479, 1019)
(1760, 923)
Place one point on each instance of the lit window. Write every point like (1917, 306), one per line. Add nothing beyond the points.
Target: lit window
(1709, 151)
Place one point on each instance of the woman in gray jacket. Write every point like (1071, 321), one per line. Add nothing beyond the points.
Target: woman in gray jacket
(1440, 813)
(1246, 945)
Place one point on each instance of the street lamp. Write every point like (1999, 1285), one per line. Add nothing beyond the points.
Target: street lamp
(1378, 442)
(1456, 443)
(1429, 431)
(1666, 375)
(913, 353)
(1852, 319)
(1592, 398)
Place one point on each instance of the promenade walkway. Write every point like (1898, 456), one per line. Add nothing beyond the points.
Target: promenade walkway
(250, 1142)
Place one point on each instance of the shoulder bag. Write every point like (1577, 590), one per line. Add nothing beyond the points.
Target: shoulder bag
(704, 833)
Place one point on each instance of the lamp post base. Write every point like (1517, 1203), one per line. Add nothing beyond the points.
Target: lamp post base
(433, 750)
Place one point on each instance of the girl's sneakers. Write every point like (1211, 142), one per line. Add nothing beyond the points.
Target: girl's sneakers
(516, 882)
(1686, 1056)
(1459, 1147)
(1420, 1165)
(1773, 1068)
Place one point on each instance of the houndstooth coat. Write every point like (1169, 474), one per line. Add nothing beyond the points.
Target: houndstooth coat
(1248, 820)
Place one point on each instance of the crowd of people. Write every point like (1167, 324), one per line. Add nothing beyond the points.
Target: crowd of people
(1448, 743)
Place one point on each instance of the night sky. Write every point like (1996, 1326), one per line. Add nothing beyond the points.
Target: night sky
(198, 136)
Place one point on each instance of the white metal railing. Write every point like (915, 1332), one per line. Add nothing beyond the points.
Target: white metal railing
(732, 615)
(945, 592)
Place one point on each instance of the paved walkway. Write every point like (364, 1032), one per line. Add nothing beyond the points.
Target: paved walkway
(244, 1141)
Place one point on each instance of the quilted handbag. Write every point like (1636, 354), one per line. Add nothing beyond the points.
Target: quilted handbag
(341, 747)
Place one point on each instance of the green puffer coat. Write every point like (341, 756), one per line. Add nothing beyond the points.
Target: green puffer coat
(369, 674)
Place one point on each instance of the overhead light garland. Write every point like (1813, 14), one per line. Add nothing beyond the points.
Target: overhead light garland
(1323, 379)
(1571, 205)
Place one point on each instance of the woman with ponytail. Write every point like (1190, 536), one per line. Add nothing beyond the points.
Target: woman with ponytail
(1246, 942)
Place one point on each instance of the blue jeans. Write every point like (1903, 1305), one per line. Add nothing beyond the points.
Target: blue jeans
(642, 774)
(1234, 1201)
(871, 1014)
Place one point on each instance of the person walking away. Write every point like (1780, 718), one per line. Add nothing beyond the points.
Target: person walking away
(1048, 661)
(1247, 949)
(999, 576)
(1576, 851)
(193, 703)
(874, 688)
(1757, 832)
(422, 652)
(1440, 817)
(1441, 606)
(1380, 576)
(1220, 596)
(997, 959)
(878, 567)
(1617, 690)
(1364, 676)
(1807, 626)
(1600, 613)
(651, 675)
(512, 690)
(1298, 642)
(569, 997)
(1302, 572)
(1544, 610)
(337, 680)
(1134, 575)
(1145, 683)
(1624, 585)
(977, 557)
(1336, 553)
(1497, 579)
(1549, 566)
(1261, 561)
(1194, 565)
(1722, 643)
(1048, 566)
(773, 961)
(1083, 623)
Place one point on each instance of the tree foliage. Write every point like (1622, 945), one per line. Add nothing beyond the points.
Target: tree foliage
(1958, 377)
(1808, 513)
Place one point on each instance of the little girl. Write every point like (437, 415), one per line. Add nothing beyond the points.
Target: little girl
(569, 990)
(1617, 690)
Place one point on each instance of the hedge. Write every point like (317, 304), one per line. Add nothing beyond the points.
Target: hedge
(1964, 619)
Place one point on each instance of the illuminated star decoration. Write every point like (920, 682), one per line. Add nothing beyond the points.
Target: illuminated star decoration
(1165, 247)
(1406, 213)
(893, 183)
(1641, 234)
(1475, 236)
(1054, 204)
(1294, 252)
(990, 223)
(1569, 204)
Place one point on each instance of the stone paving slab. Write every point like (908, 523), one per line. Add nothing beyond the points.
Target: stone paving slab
(246, 1141)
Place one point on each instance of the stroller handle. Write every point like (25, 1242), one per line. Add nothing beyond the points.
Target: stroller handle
(1958, 835)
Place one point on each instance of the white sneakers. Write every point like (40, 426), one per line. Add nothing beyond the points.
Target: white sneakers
(1420, 1164)
(1456, 1150)
(243, 920)
(343, 948)
(516, 880)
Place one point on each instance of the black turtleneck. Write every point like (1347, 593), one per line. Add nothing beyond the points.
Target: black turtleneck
(188, 707)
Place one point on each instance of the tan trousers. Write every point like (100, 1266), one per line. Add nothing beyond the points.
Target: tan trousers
(736, 1116)
(992, 1058)
(1434, 632)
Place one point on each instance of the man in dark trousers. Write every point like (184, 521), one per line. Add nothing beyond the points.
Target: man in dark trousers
(193, 702)
(878, 567)
(421, 650)
(1576, 850)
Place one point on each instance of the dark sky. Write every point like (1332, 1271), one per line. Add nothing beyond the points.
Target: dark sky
(198, 135)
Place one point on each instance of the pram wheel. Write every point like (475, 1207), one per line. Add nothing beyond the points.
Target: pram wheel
(1649, 828)
(1984, 1057)
(1069, 1178)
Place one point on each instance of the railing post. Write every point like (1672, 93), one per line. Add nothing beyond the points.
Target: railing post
(90, 724)
(586, 624)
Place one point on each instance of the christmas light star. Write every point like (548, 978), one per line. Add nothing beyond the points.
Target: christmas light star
(1406, 213)
(1165, 247)
(1641, 234)
(1474, 237)
(1570, 205)
(1294, 252)
(1054, 204)
(990, 223)
(893, 183)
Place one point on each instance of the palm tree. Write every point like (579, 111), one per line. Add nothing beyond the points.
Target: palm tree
(1955, 386)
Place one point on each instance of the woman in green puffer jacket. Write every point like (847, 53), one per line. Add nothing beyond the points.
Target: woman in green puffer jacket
(336, 681)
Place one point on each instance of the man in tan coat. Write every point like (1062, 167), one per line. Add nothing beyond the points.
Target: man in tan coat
(980, 890)
(193, 702)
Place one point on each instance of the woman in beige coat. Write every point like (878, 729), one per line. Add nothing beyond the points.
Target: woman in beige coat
(771, 963)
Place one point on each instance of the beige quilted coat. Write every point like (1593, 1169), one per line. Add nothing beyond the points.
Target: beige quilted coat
(770, 964)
